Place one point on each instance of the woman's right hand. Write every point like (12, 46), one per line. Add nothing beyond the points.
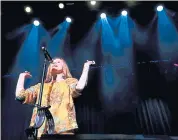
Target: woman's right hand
(26, 74)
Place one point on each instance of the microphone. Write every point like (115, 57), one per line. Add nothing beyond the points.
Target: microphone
(46, 54)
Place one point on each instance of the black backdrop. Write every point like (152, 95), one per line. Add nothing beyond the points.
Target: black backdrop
(156, 108)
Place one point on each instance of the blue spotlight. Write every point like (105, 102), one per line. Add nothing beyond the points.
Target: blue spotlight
(103, 15)
(36, 22)
(68, 19)
(124, 13)
(160, 8)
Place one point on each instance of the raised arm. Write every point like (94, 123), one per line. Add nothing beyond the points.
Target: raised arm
(25, 95)
(84, 77)
(20, 83)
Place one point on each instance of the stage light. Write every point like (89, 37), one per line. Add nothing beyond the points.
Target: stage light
(160, 8)
(68, 19)
(124, 13)
(61, 5)
(36, 22)
(28, 9)
(103, 15)
(93, 2)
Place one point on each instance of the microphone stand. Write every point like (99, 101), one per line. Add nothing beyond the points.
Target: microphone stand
(42, 113)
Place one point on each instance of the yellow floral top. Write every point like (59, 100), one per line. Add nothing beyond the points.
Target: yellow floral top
(59, 96)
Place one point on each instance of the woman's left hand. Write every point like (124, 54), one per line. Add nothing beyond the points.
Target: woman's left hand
(88, 63)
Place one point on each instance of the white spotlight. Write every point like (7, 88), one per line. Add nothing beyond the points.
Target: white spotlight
(103, 15)
(93, 2)
(68, 19)
(124, 13)
(160, 8)
(36, 22)
(28, 9)
(61, 5)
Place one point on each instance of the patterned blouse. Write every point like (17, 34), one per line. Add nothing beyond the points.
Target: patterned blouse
(59, 96)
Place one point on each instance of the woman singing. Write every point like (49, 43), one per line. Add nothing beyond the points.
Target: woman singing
(58, 92)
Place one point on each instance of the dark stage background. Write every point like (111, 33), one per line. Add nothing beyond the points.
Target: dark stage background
(150, 105)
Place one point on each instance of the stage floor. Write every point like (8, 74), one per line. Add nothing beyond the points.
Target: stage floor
(108, 137)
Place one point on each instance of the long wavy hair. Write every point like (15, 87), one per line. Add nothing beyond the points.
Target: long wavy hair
(65, 70)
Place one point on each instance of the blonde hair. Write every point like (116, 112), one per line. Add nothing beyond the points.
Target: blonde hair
(66, 71)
